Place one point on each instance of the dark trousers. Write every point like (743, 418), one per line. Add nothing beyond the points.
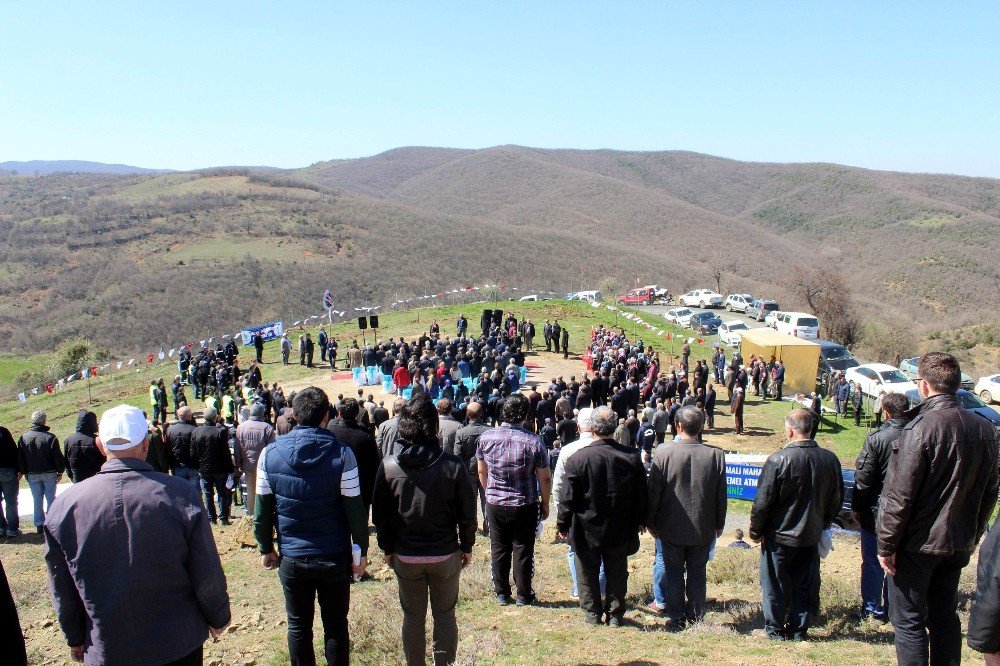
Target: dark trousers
(786, 579)
(923, 598)
(588, 575)
(777, 388)
(512, 541)
(303, 581)
(260, 354)
(677, 560)
(710, 417)
(857, 414)
(196, 658)
(212, 486)
(565, 349)
(439, 581)
(738, 420)
(548, 344)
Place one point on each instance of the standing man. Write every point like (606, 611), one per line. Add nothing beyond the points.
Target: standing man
(310, 350)
(601, 511)
(556, 334)
(258, 345)
(687, 513)
(869, 478)
(799, 494)
(43, 463)
(939, 492)
(984, 630)
(465, 447)
(514, 469)
(286, 348)
(10, 475)
(779, 379)
(361, 442)
(736, 408)
(83, 458)
(179, 441)
(308, 489)
(710, 398)
(210, 448)
(547, 333)
(816, 407)
(252, 436)
(131, 548)
(858, 401)
(565, 342)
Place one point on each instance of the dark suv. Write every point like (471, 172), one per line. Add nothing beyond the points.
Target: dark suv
(759, 308)
(832, 358)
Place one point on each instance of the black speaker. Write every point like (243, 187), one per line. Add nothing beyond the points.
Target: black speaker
(498, 317)
(373, 321)
(362, 323)
(484, 322)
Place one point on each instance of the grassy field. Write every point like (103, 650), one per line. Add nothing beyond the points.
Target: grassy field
(553, 632)
(12, 366)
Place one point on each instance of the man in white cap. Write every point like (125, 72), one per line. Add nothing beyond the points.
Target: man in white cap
(146, 585)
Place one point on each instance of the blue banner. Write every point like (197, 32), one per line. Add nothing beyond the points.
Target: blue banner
(268, 332)
(741, 480)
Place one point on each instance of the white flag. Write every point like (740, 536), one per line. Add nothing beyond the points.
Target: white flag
(202, 343)
(119, 364)
(163, 355)
(34, 391)
(171, 354)
(22, 397)
(131, 361)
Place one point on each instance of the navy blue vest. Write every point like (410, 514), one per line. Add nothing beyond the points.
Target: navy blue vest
(304, 469)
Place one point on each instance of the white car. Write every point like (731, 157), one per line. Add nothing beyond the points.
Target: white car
(798, 324)
(738, 302)
(873, 377)
(592, 296)
(532, 298)
(731, 332)
(771, 318)
(988, 388)
(702, 298)
(679, 316)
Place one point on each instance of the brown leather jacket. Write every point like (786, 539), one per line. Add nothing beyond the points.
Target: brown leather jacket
(942, 481)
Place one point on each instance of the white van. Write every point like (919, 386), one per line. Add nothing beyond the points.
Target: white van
(798, 324)
(591, 296)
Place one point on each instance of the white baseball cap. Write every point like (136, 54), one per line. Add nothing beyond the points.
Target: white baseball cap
(123, 427)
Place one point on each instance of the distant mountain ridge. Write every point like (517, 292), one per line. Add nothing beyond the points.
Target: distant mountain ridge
(47, 167)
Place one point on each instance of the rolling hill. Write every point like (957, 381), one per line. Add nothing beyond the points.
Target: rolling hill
(46, 167)
(132, 260)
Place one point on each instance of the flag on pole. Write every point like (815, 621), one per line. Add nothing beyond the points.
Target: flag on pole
(131, 361)
(49, 388)
(119, 364)
(93, 371)
(171, 354)
(327, 300)
(23, 398)
(150, 358)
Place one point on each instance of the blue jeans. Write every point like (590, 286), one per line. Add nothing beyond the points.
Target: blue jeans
(189, 474)
(874, 587)
(659, 576)
(571, 559)
(43, 487)
(8, 490)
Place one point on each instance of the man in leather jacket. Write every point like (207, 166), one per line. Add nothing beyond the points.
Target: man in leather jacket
(871, 468)
(799, 493)
(939, 492)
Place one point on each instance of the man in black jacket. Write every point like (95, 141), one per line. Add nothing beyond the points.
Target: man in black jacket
(602, 508)
(83, 458)
(984, 629)
(361, 442)
(939, 492)
(41, 460)
(871, 468)
(210, 447)
(179, 442)
(799, 493)
(10, 476)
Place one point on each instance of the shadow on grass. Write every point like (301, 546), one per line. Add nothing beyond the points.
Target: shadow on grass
(30, 538)
(562, 603)
(839, 621)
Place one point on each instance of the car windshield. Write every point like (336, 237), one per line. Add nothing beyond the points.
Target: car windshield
(836, 353)
(970, 401)
(739, 327)
(808, 321)
(769, 306)
(683, 313)
(893, 377)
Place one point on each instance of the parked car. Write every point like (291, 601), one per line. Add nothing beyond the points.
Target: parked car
(988, 388)
(592, 296)
(798, 324)
(706, 323)
(973, 403)
(872, 377)
(639, 296)
(702, 298)
(731, 332)
(832, 357)
(758, 308)
(771, 318)
(679, 316)
(533, 297)
(845, 518)
(909, 368)
(738, 302)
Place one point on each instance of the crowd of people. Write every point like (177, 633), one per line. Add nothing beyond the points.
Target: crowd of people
(615, 455)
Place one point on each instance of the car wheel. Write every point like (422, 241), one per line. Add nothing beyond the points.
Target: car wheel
(729, 308)
(702, 305)
(986, 396)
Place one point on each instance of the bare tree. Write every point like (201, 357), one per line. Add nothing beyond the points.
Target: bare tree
(825, 291)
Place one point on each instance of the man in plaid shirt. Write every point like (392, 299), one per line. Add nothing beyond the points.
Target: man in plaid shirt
(514, 469)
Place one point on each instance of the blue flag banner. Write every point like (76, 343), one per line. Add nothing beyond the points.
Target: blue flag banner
(742, 472)
(268, 332)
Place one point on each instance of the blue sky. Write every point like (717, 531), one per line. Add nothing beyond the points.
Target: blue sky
(892, 85)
